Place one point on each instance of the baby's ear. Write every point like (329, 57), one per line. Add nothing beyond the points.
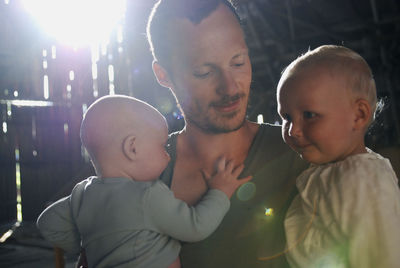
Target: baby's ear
(129, 147)
(363, 114)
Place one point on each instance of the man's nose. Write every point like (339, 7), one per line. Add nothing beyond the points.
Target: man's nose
(228, 84)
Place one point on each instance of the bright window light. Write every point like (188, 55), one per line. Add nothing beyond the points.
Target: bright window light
(33, 128)
(94, 71)
(53, 52)
(78, 23)
(111, 73)
(84, 108)
(9, 112)
(112, 89)
(103, 48)
(95, 89)
(69, 91)
(66, 128)
(95, 53)
(46, 87)
(18, 186)
(120, 36)
(26, 103)
(260, 119)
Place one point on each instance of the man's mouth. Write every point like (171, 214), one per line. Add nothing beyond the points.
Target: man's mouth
(228, 105)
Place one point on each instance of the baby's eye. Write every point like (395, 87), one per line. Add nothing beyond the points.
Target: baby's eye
(309, 115)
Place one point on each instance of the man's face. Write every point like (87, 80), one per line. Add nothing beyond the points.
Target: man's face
(210, 71)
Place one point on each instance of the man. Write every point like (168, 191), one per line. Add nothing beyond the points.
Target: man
(200, 54)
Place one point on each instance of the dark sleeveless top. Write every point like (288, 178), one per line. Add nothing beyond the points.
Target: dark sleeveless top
(247, 232)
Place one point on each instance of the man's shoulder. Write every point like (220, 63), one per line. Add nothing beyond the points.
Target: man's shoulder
(269, 152)
(269, 139)
(271, 130)
(172, 139)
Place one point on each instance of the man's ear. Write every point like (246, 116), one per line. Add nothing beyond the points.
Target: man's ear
(362, 114)
(161, 75)
(129, 147)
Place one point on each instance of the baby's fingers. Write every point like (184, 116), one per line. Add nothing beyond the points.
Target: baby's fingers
(236, 172)
(229, 166)
(244, 180)
(221, 164)
(205, 174)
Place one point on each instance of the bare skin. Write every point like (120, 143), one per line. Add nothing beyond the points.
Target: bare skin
(133, 146)
(197, 151)
(214, 49)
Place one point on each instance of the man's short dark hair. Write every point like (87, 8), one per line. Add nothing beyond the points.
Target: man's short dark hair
(166, 10)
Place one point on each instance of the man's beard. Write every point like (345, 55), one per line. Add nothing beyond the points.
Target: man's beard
(213, 128)
(216, 125)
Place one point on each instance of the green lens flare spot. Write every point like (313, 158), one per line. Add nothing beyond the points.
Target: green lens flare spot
(246, 191)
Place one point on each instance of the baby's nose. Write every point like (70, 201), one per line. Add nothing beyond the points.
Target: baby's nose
(294, 130)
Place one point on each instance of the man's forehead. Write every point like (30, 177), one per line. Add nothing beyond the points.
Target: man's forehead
(219, 28)
(222, 15)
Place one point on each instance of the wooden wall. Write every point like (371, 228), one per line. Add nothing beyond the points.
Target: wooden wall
(47, 137)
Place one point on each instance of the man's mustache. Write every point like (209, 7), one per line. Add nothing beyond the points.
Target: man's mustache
(226, 100)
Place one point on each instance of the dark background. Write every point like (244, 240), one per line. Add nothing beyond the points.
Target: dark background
(43, 142)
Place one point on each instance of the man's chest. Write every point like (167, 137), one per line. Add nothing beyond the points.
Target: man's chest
(188, 183)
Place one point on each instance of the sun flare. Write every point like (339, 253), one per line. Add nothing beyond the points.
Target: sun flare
(77, 22)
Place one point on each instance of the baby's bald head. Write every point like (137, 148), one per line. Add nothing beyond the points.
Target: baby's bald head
(110, 119)
(340, 61)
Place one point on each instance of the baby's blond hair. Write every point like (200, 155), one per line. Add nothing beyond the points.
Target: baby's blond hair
(338, 60)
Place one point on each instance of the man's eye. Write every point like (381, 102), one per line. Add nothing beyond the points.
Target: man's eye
(238, 64)
(202, 75)
(309, 115)
(202, 72)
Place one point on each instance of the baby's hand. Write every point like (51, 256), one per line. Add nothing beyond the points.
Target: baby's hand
(226, 177)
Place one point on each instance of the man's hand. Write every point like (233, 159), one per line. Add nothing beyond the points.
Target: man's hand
(226, 176)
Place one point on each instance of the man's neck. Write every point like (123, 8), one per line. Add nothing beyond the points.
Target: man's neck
(201, 146)
(197, 151)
